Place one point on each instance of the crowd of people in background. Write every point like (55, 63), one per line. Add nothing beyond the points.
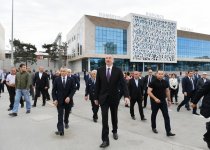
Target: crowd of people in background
(24, 84)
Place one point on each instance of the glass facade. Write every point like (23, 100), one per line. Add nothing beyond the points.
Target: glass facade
(193, 48)
(107, 42)
(110, 40)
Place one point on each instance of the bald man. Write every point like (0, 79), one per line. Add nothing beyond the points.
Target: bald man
(41, 84)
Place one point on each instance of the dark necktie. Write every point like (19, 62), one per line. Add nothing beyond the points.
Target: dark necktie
(108, 74)
(64, 83)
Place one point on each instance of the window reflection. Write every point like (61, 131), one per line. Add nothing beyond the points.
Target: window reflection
(111, 40)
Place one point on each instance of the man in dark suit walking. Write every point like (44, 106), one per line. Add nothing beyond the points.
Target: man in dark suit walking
(41, 84)
(135, 87)
(62, 93)
(188, 88)
(147, 79)
(204, 92)
(90, 91)
(107, 95)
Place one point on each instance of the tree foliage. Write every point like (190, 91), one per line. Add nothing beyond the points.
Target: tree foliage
(24, 52)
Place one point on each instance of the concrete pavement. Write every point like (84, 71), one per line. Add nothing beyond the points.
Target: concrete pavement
(35, 131)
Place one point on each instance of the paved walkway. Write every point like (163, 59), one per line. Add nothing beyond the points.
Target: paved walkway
(35, 131)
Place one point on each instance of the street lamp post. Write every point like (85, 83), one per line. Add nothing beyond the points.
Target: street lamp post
(12, 57)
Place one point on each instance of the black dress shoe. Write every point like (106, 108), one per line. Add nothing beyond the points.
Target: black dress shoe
(143, 119)
(104, 144)
(178, 109)
(13, 114)
(133, 117)
(188, 109)
(9, 109)
(170, 134)
(59, 133)
(66, 126)
(115, 136)
(155, 131)
(28, 111)
(196, 113)
(43, 104)
(95, 120)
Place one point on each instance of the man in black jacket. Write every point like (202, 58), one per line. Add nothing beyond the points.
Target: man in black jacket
(188, 88)
(90, 91)
(41, 84)
(62, 93)
(147, 79)
(205, 108)
(135, 87)
(107, 95)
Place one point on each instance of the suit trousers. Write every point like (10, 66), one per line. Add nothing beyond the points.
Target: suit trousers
(104, 111)
(63, 116)
(94, 109)
(164, 108)
(145, 97)
(37, 94)
(132, 103)
(187, 99)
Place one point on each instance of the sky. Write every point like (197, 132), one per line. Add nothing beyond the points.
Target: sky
(39, 21)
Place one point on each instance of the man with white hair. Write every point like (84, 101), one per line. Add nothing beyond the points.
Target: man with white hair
(90, 91)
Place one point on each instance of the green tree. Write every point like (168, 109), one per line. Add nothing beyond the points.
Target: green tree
(52, 50)
(24, 52)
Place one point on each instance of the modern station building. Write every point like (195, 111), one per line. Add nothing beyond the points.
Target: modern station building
(2, 42)
(137, 42)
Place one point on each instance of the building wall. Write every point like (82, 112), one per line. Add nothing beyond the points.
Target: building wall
(2, 42)
(6, 65)
(89, 45)
(75, 66)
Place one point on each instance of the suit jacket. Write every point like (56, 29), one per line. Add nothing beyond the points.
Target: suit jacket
(90, 89)
(105, 89)
(187, 85)
(76, 80)
(145, 81)
(196, 77)
(60, 93)
(41, 83)
(200, 83)
(204, 91)
(134, 91)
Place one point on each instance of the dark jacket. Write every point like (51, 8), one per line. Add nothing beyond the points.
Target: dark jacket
(90, 89)
(145, 81)
(105, 89)
(187, 85)
(134, 91)
(41, 83)
(204, 91)
(200, 83)
(76, 80)
(60, 93)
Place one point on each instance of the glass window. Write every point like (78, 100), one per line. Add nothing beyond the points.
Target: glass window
(111, 40)
(193, 48)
